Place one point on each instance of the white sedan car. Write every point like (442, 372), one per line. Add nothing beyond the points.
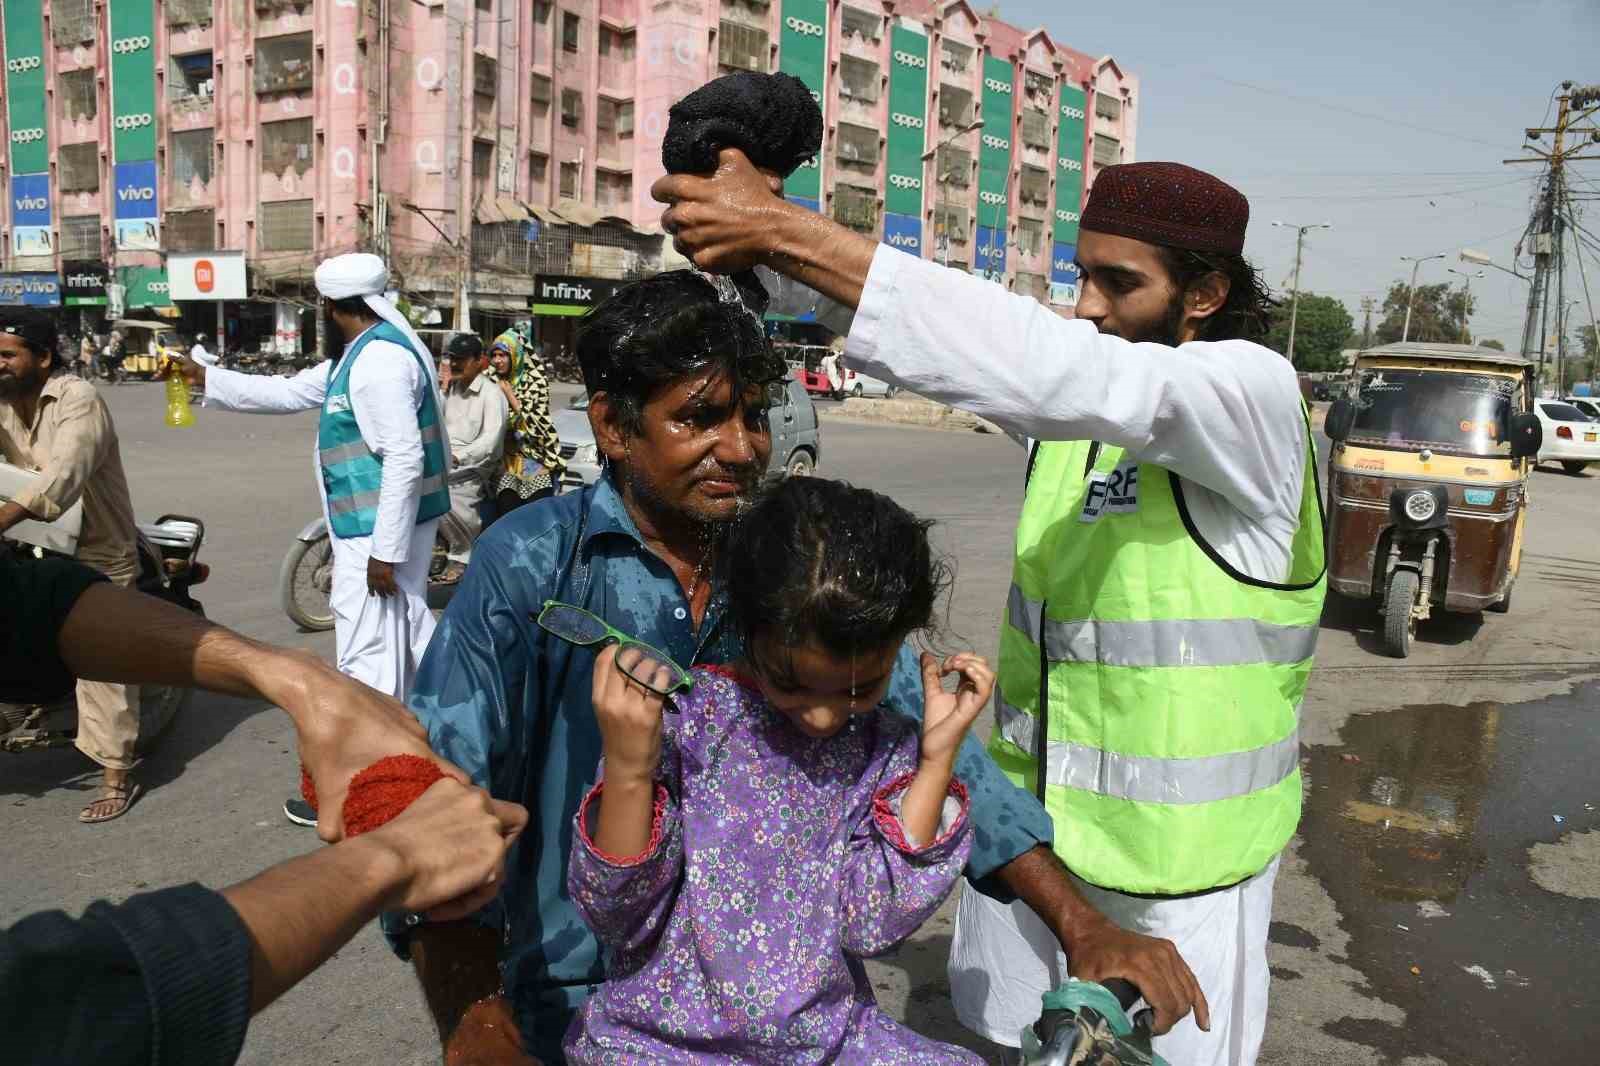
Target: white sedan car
(859, 385)
(1589, 405)
(1571, 437)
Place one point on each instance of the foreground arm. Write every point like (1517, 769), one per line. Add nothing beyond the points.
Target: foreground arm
(117, 634)
(448, 845)
(173, 976)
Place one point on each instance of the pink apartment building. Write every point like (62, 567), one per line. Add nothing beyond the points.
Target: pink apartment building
(488, 146)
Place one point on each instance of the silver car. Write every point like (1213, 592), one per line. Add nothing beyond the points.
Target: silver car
(796, 436)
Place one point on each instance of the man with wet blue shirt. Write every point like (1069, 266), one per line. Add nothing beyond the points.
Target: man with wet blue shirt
(678, 381)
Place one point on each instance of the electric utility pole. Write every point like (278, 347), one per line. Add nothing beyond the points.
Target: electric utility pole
(1367, 306)
(1573, 135)
(1294, 303)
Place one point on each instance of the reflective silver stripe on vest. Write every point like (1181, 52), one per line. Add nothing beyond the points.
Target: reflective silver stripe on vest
(1146, 779)
(1163, 642)
(363, 500)
(356, 449)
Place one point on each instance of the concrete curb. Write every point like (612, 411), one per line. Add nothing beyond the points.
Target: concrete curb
(915, 411)
(908, 411)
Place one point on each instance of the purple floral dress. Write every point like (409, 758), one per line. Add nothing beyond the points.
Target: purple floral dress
(776, 864)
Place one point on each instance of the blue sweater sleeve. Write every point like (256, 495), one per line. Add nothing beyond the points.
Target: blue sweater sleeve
(1006, 820)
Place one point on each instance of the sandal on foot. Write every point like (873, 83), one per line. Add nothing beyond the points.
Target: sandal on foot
(122, 795)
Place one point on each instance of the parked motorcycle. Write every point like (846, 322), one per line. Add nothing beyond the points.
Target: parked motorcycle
(168, 569)
(305, 581)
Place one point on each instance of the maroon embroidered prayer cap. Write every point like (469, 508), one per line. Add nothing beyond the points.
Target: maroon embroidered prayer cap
(1169, 204)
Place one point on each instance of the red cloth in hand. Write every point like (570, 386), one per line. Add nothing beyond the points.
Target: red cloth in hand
(380, 792)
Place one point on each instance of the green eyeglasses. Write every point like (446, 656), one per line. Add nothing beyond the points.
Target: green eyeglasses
(641, 663)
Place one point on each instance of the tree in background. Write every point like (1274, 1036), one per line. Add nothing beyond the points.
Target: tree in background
(1322, 331)
(1440, 313)
(1496, 345)
(1582, 367)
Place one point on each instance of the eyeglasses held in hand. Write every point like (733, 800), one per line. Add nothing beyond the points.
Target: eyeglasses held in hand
(641, 663)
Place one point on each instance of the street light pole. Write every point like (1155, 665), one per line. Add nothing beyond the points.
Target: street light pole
(1294, 302)
(1466, 299)
(1411, 297)
(944, 174)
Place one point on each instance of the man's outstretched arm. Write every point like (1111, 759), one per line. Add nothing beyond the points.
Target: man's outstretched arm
(343, 726)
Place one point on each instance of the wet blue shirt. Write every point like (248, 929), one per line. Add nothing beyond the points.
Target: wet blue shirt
(510, 705)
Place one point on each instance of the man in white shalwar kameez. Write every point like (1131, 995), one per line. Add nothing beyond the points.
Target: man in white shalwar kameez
(380, 579)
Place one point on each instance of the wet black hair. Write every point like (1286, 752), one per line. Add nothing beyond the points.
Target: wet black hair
(818, 562)
(1244, 314)
(653, 332)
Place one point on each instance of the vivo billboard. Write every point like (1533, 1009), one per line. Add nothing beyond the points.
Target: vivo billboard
(137, 215)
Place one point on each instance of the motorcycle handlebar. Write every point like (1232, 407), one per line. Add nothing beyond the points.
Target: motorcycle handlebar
(1127, 992)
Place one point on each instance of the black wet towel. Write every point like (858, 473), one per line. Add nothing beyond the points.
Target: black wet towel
(772, 118)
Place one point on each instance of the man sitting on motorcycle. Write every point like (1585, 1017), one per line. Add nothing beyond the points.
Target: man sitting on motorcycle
(677, 381)
(58, 424)
(475, 418)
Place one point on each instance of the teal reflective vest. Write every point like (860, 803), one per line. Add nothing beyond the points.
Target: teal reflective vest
(1170, 740)
(351, 473)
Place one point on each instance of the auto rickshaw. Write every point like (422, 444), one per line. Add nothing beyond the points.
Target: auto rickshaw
(1427, 488)
(137, 335)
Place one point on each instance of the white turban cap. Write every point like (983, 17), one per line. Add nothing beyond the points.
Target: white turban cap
(365, 275)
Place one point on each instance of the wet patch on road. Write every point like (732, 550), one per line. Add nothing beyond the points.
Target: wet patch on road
(1423, 842)
(1569, 867)
(1292, 936)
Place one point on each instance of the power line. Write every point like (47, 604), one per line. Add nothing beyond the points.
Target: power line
(1388, 120)
(1399, 196)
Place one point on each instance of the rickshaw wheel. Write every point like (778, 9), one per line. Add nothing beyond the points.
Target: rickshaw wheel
(1399, 623)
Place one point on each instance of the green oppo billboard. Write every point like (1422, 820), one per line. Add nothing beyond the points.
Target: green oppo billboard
(908, 121)
(1069, 165)
(132, 29)
(803, 52)
(994, 158)
(25, 97)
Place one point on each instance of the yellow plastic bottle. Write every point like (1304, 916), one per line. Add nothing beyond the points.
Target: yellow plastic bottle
(179, 413)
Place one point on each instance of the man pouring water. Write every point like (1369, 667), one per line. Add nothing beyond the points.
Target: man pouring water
(1168, 575)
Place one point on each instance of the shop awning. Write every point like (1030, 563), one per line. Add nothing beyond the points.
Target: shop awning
(502, 208)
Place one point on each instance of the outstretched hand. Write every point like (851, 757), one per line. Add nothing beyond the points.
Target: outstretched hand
(722, 221)
(946, 716)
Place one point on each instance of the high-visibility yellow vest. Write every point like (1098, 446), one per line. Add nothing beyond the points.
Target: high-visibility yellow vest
(1174, 682)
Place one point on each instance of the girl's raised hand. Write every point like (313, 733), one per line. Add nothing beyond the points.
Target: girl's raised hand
(946, 716)
(629, 716)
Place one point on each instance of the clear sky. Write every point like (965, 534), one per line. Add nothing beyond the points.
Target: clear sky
(1455, 84)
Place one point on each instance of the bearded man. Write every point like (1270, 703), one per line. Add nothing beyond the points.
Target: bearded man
(381, 466)
(1168, 576)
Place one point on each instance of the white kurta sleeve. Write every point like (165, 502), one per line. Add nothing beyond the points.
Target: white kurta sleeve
(386, 389)
(266, 394)
(1225, 415)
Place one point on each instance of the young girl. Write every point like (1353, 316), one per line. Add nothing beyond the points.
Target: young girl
(748, 847)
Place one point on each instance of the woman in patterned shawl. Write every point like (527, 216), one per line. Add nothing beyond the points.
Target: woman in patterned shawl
(532, 466)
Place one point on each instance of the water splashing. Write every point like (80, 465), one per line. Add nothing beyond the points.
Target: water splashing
(728, 293)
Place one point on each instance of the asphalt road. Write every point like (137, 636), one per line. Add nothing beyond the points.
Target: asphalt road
(1430, 839)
